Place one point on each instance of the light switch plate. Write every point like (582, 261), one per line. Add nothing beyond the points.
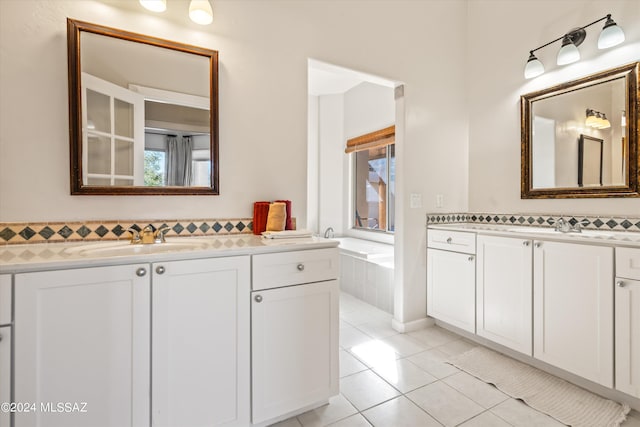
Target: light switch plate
(416, 201)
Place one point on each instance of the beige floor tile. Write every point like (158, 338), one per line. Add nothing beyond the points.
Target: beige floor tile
(518, 414)
(356, 420)
(378, 328)
(480, 392)
(434, 362)
(337, 409)
(434, 336)
(349, 364)
(365, 389)
(373, 353)
(399, 412)
(291, 422)
(404, 345)
(350, 336)
(404, 375)
(454, 348)
(485, 419)
(445, 404)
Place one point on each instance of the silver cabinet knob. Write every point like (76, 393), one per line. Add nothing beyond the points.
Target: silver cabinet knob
(258, 298)
(537, 244)
(525, 243)
(160, 269)
(620, 284)
(470, 258)
(300, 267)
(141, 272)
(449, 240)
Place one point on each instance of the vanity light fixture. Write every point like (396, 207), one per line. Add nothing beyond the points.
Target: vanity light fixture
(623, 119)
(200, 11)
(611, 35)
(154, 5)
(597, 119)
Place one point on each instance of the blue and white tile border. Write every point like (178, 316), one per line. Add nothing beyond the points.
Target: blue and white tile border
(590, 222)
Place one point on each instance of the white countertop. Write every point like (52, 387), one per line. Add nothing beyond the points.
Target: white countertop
(602, 237)
(54, 256)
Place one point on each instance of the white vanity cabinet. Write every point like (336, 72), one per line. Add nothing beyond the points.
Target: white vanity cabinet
(573, 308)
(504, 291)
(200, 342)
(451, 281)
(627, 321)
(82, 337)
(294, 331)
(5, 345)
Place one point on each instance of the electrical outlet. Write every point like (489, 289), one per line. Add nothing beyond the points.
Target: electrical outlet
(439, 201)
(416, 201)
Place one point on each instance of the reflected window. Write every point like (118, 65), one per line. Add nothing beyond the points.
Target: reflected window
(155, 166)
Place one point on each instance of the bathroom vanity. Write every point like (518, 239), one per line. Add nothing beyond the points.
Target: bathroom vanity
(570, 300)
(226, 331)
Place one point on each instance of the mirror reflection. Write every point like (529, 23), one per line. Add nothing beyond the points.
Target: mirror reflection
(146, 119)
(579, 139)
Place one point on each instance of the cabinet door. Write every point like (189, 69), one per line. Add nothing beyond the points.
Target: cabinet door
(294, 340)
(5, 372)
(573, 308)
(504, 292)
(628, 336)
(201, 342)
(82, 336)
(451, 288)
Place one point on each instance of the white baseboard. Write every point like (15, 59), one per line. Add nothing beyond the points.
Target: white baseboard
(414, 325)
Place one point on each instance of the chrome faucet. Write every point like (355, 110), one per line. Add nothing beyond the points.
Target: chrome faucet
(328, 233)
(565, 226)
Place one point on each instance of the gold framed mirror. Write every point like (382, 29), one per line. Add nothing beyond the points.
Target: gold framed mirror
(556, 125)
(143, 114)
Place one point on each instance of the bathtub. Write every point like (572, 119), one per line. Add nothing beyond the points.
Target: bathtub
(366, 271)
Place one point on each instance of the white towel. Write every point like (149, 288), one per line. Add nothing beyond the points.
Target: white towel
(286, 234)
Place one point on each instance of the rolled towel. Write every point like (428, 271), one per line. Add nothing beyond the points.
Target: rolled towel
(286, 234)
(260, 214)
(289, 224)
(277, 217)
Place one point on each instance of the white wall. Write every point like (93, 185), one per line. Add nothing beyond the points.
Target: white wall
(501, 33)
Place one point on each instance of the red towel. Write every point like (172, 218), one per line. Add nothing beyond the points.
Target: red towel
(288, 225)
(260, 213)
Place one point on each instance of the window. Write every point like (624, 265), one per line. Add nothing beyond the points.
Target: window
(374, 180)
(155, 165)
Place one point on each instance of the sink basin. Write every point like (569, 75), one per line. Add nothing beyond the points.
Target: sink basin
(124, 248)
(545, 230)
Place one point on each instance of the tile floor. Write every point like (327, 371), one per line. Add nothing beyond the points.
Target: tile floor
(402, 380)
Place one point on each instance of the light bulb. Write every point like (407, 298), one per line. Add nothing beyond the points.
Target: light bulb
(154, 5)
(200, 12)
(533, 68)
(611, 34)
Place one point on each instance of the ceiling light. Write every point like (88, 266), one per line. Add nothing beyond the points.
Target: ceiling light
(533, 68)
(611, 34)
(200, 12)
(154, 5)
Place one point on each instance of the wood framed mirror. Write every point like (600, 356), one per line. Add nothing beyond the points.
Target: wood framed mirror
(557, 122)
(143, 114)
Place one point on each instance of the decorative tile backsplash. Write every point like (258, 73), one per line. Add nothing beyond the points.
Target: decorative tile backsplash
(589, 222)
(41, 232)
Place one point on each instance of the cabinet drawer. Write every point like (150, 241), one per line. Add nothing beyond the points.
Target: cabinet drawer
(5, 299)
(294, 268)
(458, 241)
(628, 263)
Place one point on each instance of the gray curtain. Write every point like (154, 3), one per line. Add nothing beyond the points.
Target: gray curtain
(179, 161)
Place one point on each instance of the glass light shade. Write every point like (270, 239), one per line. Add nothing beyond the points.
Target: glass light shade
(611, 35)
(200, 12)
(623, 119)
(604, 122)
(533, 68)
(568, 54)
(154, 5)
(592, 121)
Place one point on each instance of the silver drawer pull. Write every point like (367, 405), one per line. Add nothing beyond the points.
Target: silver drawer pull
(141, 272)
(160, 269)
(525, 243)
(300, 267)
(537, 244)
(620, 284)
(258, 298)
(471, 258)
(449, 240)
